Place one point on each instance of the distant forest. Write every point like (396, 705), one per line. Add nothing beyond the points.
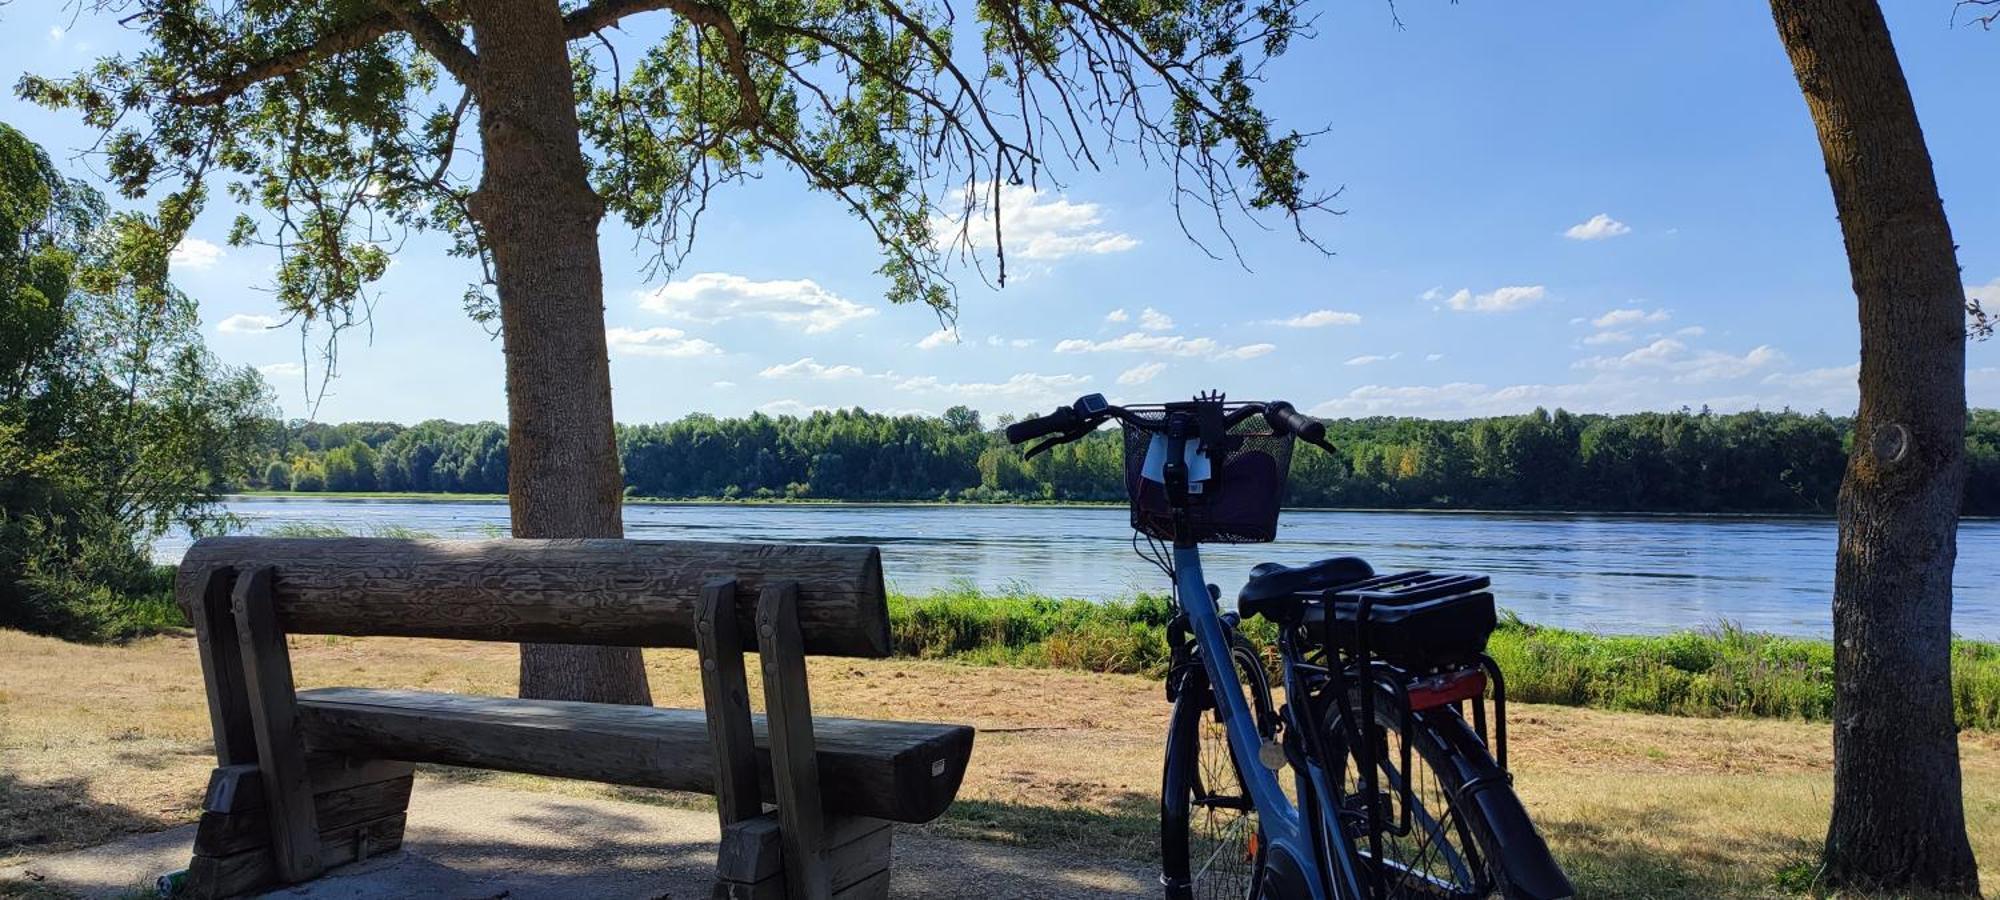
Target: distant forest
(1686, 461)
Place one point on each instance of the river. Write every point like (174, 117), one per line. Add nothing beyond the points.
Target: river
(1606, 573)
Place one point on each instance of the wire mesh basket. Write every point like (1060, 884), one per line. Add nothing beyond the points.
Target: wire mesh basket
(1239, 502)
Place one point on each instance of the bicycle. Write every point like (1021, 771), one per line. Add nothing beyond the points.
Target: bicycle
(1393, 792)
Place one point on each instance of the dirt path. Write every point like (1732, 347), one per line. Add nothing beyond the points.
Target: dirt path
(97, 742)
(474, 841)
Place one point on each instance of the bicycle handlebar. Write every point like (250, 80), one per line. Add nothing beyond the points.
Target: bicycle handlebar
(1028, 429)
(1283, 417)
(1069, 424)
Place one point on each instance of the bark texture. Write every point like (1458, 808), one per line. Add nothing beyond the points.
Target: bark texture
(1898, 808)
(540, 219)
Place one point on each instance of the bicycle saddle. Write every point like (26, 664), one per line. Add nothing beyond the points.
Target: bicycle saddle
(1273, 589)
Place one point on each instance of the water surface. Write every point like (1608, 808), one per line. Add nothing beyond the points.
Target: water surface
(1628, 574)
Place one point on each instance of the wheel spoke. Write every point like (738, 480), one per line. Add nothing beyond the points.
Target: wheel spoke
(1434, 856)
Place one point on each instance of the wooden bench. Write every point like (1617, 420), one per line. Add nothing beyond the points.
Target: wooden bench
(306, 780)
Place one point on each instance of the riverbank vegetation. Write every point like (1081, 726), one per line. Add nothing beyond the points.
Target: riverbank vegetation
(1684, 461)
(115, 422)
(1722, 671)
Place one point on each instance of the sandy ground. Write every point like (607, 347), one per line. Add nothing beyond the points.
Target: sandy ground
(473, 841)
(100, 742)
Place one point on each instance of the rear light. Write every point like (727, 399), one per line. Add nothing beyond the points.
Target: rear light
(1434, 691)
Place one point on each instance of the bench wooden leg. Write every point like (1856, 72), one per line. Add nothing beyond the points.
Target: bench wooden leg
(751, 864)
(794, 759)
(267, 673)
(726, 701)
(359, 812)
(222, 669)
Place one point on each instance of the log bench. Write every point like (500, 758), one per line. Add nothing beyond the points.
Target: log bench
(310, 779)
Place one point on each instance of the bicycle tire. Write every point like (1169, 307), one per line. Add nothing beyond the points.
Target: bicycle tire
(1210, 846)
(1511, 858)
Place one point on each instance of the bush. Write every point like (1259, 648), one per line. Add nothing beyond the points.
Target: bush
(1724, 671)
(82, 583)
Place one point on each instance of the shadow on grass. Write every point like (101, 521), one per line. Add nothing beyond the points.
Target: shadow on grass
(1619, 855)
(60, 815)
(1624, 853)
(1126, 827)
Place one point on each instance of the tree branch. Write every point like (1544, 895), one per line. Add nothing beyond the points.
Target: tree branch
(603, 14)
(435, 38)
(354, 36)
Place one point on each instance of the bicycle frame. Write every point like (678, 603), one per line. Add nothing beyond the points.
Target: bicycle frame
(1285, 828)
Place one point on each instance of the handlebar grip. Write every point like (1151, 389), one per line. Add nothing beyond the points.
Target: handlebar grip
(1283, 417)
(1028, 429)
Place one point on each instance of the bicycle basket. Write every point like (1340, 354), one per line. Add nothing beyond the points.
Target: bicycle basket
(1238, 504)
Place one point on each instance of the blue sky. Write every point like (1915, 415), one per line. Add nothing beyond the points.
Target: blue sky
(1605, 207)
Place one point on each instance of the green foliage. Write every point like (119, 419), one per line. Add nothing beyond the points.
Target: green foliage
(115, 423)
(1027, 630)
(1665, 462)
(1723, 672)
(345, 121)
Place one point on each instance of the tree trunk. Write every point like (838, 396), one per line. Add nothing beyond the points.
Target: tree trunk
(540, 219)
(1898, 807)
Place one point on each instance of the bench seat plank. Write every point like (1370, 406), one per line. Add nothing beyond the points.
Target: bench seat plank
(901, 771)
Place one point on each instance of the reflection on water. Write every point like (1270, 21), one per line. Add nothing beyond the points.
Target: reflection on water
(1604, 573)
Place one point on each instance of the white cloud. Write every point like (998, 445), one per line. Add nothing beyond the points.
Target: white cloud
(723, 385)
(1685, 365)
(806, 367)
(1373, 359)
(1117, 315)
(719, 296)
(1434, 357)
(1247, 351)
(1818, 379)
(1504, 299)
(663, 342)
(194, 253)
(788, 408)
(1151, 319)
(1461, 399)
(1024, 389)
(1670, 378)
(1621, 318)
(938, 338)
(1141, 374)
(1433, 295)
(56, 34)
(1035, 224)
(282, 370)
(1691, 331)
(1609, 337)
(246, 323)
(1599, 227)
(1141, 342)
(994, 340)
(1319, 318)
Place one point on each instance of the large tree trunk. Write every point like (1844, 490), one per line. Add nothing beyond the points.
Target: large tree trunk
(540, 219)
(1898, 808)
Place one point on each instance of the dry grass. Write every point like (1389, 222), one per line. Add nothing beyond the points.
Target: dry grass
(100, 741)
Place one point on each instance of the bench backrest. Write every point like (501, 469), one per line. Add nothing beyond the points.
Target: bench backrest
(590, 591)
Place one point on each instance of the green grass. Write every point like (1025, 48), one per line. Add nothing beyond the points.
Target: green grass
(1719, 672)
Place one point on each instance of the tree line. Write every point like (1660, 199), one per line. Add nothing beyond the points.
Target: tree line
(1681, 461)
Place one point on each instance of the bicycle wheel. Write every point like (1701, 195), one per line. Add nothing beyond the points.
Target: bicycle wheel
(1446, 841)
(1209, 839)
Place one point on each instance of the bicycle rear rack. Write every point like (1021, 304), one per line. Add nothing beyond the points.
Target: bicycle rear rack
(1400, 589)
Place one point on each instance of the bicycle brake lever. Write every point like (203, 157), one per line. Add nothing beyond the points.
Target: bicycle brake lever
(1038, 448)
